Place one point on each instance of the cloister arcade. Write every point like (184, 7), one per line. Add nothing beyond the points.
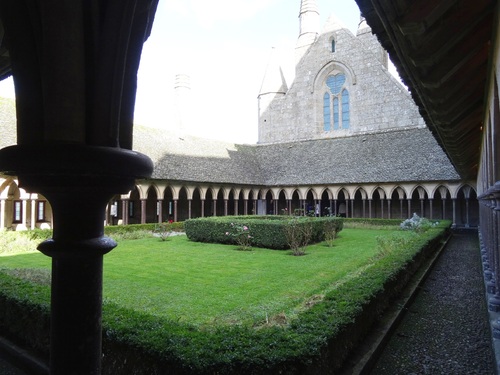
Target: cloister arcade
(159, 201)
(155, 201)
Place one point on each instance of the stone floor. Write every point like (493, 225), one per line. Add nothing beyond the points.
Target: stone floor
(446, 329)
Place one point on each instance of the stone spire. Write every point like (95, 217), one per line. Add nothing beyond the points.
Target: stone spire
(274, 81)
(273, 87)
(182, 97)
(309, 27)
(365, 35)
(363, 26)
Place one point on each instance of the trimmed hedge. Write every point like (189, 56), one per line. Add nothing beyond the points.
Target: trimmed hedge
(266, 231)
(318, 341)
(25, 313)
(113, 229)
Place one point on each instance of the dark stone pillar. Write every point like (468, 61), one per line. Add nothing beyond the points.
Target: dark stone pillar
(78, 242)
(74, 65)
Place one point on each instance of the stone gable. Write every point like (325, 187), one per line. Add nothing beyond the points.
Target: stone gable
(377, 100)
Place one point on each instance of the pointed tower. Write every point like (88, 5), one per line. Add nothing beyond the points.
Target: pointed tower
(273, 87)
(371, 42)
(309, 27)
(182, 97)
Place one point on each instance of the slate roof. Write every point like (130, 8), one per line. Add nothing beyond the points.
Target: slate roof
(8, 132)
(393, 156)
(188, 158)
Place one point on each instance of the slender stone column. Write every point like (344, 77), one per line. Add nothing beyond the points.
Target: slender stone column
(190, 201)
(2, 214)
(467, 223)
(175, 210)
(24, 211)
(160, 210)
(143, 211)
(33, 214)
(454, 203)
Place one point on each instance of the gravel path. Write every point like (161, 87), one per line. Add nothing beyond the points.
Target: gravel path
(446, 330)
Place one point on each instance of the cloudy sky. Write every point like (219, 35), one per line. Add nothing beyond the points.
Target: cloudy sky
(224, 46)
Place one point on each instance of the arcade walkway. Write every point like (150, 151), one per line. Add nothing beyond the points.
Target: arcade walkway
(446, 329)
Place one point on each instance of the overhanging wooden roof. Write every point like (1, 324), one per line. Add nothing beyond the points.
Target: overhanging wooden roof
(442, 51)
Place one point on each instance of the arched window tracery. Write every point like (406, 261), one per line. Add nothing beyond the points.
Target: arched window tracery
(336, 106)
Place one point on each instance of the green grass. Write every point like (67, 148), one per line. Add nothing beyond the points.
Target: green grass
(206, 284)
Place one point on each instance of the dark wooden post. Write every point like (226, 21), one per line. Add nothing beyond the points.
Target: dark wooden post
(74, 66)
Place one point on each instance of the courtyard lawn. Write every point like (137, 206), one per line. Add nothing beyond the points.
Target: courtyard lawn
(205, 284)
(185, 307)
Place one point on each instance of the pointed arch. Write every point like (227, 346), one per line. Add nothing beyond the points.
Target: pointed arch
(398, 207)
(467, 207)
(168, 204)
(152, 207)
(182, 206)
(196, 206)
(342, 202)
(416, 202)
(295, 204)
(359, 204)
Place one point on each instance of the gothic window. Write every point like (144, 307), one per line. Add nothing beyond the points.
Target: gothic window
(326, 112)
(130, 208)
(18, 211)
(345, 109)
(333, 45)
(40, 211)
(336, 103)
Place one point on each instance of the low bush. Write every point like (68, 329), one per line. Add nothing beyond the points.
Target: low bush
(22, 241)
(110, 230)
(418, 224)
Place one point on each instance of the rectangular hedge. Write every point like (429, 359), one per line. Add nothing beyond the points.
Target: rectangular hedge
(266, 231)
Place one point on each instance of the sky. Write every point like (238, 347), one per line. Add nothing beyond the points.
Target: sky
(223, 46)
